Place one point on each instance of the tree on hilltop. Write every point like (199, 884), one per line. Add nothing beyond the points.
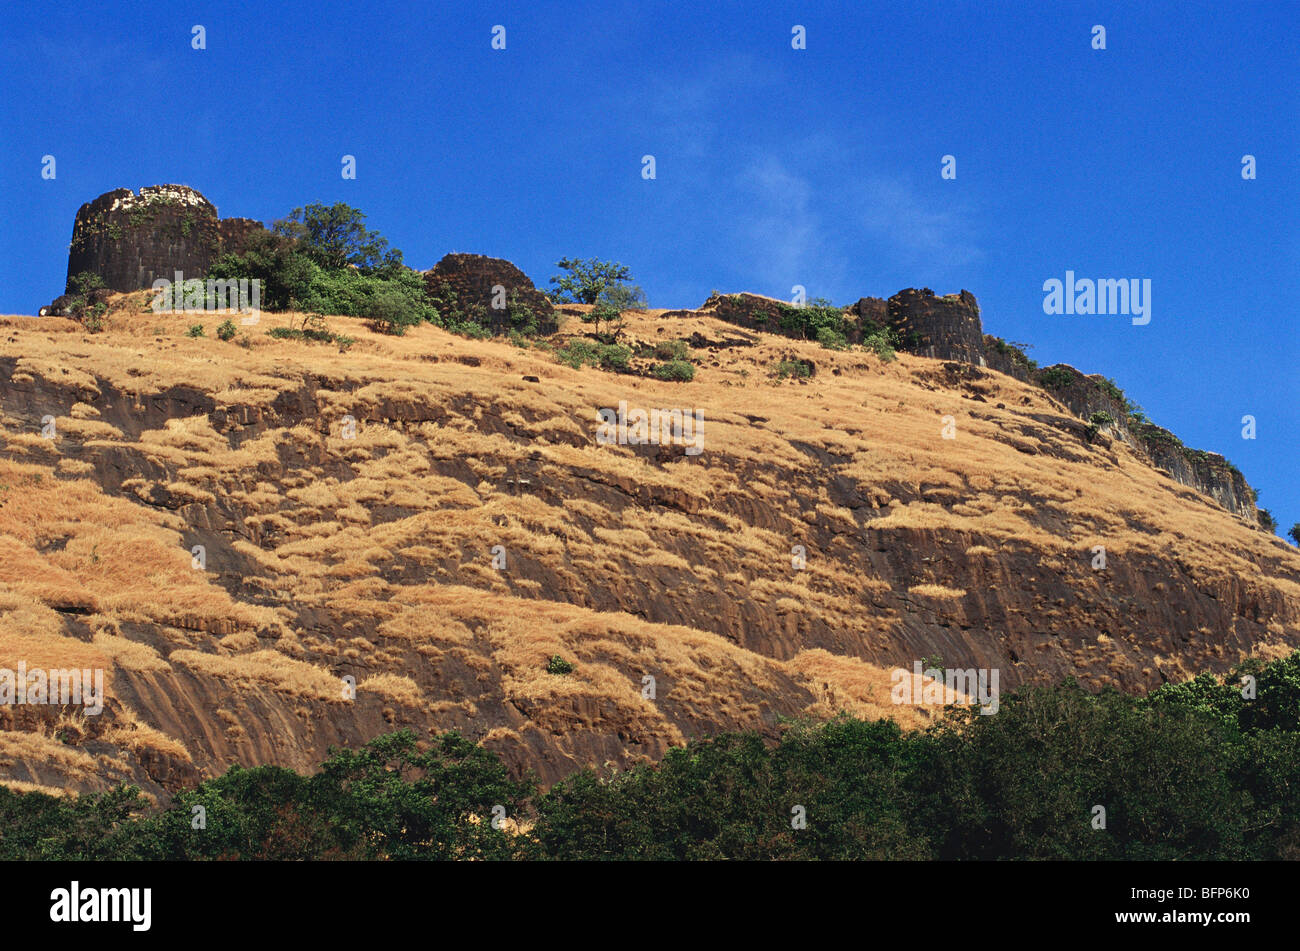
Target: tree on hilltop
(589, 280)
(336, 236)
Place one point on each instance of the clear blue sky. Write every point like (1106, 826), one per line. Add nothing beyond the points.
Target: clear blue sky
(775, 167)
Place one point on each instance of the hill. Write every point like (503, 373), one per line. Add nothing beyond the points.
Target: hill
(352, 506)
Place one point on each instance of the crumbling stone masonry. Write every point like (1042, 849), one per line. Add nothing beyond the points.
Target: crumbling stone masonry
(131, 240)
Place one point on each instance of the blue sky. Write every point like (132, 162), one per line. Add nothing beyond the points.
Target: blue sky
(775, 166)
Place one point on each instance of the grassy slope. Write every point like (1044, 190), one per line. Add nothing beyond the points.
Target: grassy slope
(371, 557)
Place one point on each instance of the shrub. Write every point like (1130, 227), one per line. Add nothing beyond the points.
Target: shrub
(226, 330)
(832, 339)
(678, 370)
(608, 356)
(1055, 378)
(1267, 521)
(80, 288)
(798, 369)
(558, 665)
(606, 313)
(1294, 533)
(312, 328)
(807, 321)
(672, 350)
(1101, 418)
(94, 317)
(614, 356)
(196, 330)
(1111, 389)
(1017, 352)
(881, 344)
(393, 309)
(284, 272)
(84, 283)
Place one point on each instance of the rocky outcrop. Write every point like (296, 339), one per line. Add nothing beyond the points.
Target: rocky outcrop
(130, 240)
(1007, 358)
(872, 313)
(490, 290)
(945, 328)
(751, 311)
(1207, 472)
(1084, 394)
(1088, 396)
(770, 315)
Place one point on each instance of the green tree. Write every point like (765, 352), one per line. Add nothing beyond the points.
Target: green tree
(1294, 533)
(278, 262)
(624, 297)
(335, 236)
(587, 280)
(607, 314)
(394, 801)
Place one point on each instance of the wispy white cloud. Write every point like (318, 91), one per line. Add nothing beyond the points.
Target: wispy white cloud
(778, 234)
(924, 230)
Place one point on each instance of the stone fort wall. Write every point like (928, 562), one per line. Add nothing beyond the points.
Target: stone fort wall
(130, 240)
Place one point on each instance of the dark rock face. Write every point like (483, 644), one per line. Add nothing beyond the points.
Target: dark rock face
(465, 282)
(1207, 472)
(752, 311)
(132, 240)
(946, 328)
(1083, 394)
(61, 306)
(872, 313)
(1003, 358)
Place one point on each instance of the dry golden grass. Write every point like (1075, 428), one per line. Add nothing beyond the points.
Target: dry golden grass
(936, 591)
(265, 668)
(388, 536)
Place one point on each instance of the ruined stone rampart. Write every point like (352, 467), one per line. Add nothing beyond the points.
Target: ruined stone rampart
(130, 240)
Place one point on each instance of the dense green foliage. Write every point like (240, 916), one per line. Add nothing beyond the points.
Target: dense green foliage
(882, 344)
(832, 339)
(323, 259)
(1055, 378)
(799, 369)
(558, 665)
(809, 320)
(81, 288)
(1207, 769)
(672, 350)
(335, 237)
(578, 353)
(682, 371)
(591, 280)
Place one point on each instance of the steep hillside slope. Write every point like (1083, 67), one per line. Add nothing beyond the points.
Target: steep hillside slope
(348, 505)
